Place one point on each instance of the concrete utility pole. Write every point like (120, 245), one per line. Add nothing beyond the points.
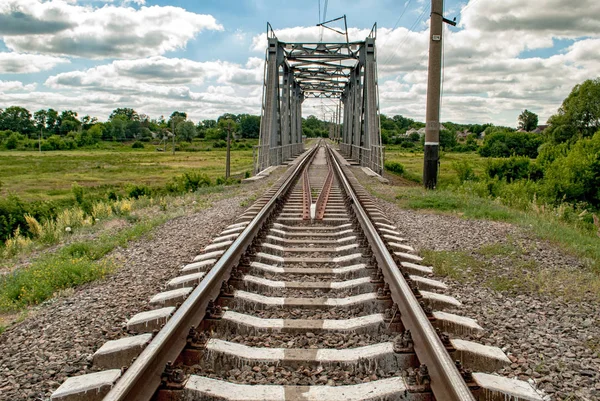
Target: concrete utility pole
(228, 158)
(173, 125)
(432, 116)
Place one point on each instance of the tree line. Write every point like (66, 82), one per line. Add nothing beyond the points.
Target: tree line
(66, 130)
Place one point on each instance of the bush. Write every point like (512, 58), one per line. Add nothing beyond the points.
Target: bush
(112, 195)
(506, 144)
(137, 191)
(137, 145)
(220, 144)
(575, 176)
(226, 181)
(13, 211)
(464, 170)
(514, 168)
(79, 194)
(188, 182)
(13, 140)
(394, 167)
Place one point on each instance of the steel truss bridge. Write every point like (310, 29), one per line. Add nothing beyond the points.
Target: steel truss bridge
(346, 72)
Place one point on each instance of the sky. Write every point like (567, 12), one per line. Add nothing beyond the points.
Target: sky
(206, 57)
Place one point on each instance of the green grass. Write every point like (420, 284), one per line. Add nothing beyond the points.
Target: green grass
(577, 238)
(505, 267)
(71, 265)
(413, 164)
(50, 175)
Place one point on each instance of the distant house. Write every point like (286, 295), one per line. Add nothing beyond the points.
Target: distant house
(539, 129)
(420, 131)
(410, 131)
(522, 130)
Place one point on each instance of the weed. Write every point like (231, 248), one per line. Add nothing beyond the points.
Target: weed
(35, 228)
(72, 265)
(101, 210)
(457, 265)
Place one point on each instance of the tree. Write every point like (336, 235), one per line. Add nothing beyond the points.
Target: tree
(528, 120)
(447, 139)
(579, 114)
(87, 122)
(128, 113)
(118, 125)
(52, 121)
(186, 130)
(502, 143)
(176, 117)
(17, 119)
(68, 122)
(40, 117)
(249, 126)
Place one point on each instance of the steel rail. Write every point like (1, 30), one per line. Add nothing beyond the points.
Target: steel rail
(306, 196)
(447, 383)
(142, 379)
(324, 195)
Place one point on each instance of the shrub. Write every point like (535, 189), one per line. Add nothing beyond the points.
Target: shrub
(220, 144)
(79, 194)
(12, 216)
(464, 170)
(136, 191)
(226, 181)
(137, 145)
(112, 195)
(514, 168)
(188, 182)
(13, 140)
(575, 176)
(394, 167)
(193, 181)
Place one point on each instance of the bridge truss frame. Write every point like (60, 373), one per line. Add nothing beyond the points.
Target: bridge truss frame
(345, 71)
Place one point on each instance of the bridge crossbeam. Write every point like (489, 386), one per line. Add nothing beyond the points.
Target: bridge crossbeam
(296, 71)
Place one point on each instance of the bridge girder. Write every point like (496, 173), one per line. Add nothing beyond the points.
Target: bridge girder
(297, 71)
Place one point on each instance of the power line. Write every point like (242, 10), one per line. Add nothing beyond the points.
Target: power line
(405, 37)
(398, 20)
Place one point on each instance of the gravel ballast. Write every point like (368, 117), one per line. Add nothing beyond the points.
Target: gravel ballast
(553, 342)
(58, 338)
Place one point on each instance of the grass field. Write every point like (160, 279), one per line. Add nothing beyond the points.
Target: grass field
(556, 224)
(413, 163)
(50, 175)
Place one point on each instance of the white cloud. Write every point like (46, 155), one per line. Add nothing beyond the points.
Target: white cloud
(486, 76)
(61, 28)
(158, 72)
(13, 86)
(20, 63)
(151, 83)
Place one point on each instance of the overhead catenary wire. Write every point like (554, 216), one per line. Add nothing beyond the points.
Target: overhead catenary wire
(406, 36)
(397, 21)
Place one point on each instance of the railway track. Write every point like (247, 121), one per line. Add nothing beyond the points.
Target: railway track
(311, 295)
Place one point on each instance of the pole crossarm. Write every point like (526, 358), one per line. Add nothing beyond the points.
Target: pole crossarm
(345, 71)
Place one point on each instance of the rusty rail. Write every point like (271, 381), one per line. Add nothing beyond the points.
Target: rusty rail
(141, 380)
(306, 196)
(447, 383)
(324, 195)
